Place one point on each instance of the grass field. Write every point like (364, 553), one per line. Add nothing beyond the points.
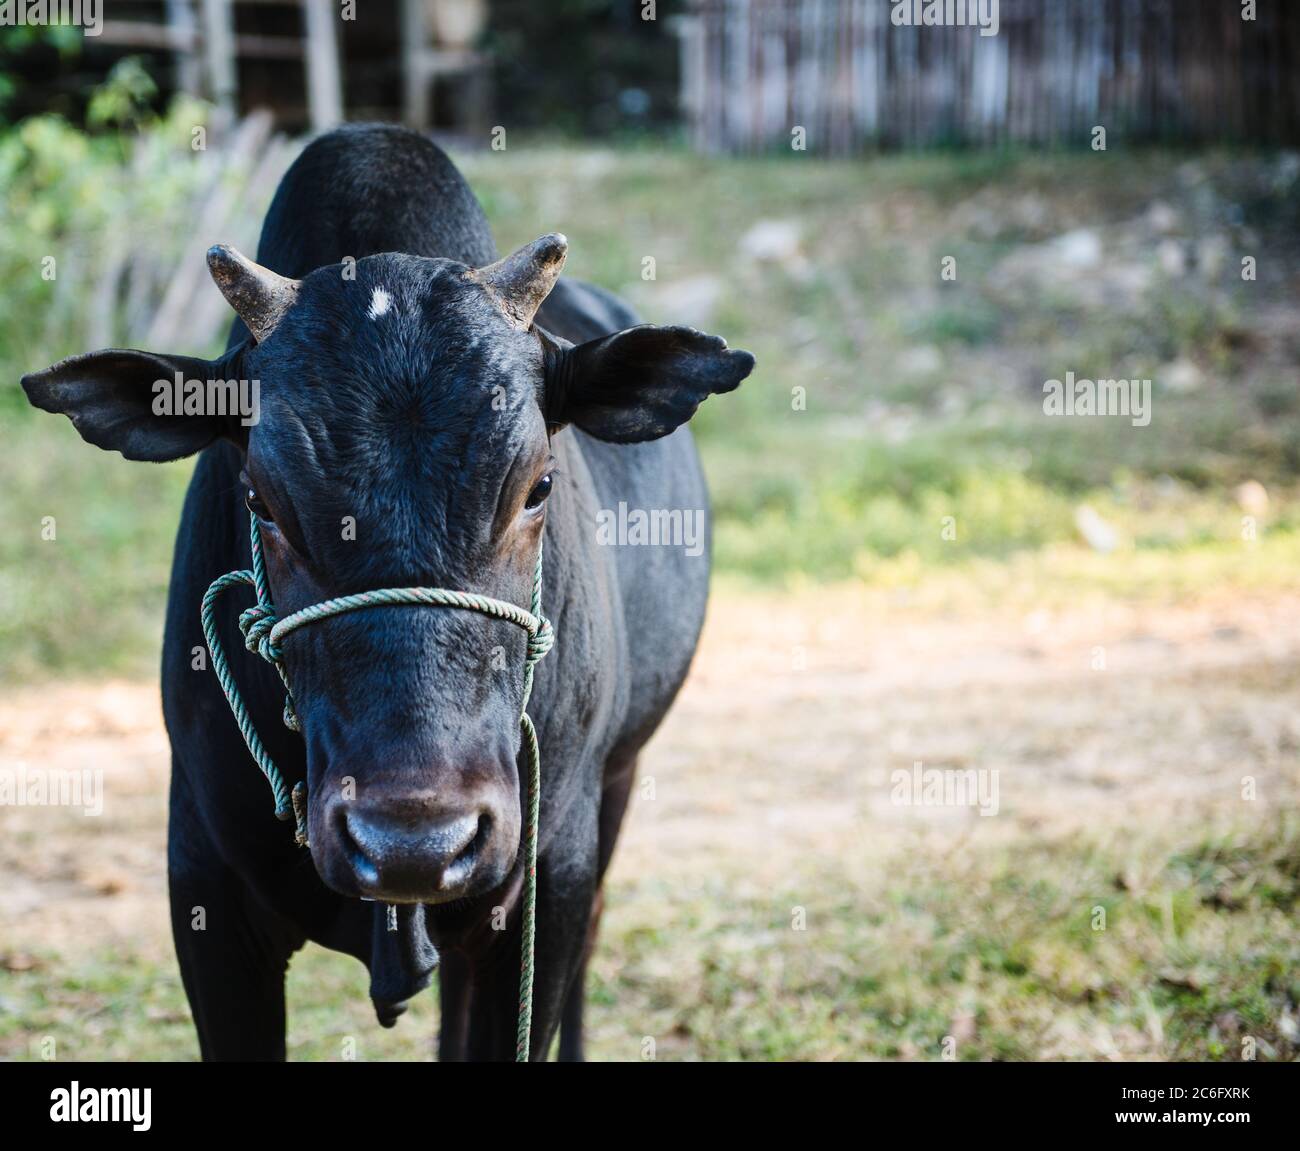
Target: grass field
(921, 398)
(1127, 901)
(856, 630)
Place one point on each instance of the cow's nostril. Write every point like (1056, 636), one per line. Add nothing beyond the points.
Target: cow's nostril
(472, 835)
(481, 835)
(449, 841)
(363, 866)
(463, 862)
(397, 853)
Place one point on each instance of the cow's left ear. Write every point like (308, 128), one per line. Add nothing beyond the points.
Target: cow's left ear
(638, 384)
(121, 400)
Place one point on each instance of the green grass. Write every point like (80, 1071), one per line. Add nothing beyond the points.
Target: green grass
(920, 399)
(92, 597)
(123, 1006)
(1004, 952)
(995, 949)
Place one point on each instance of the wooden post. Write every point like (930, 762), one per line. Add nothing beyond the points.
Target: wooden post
(689, 30)
(219, 60)
(324, 84)
(219, 53)
(415, 76)
(180, 19)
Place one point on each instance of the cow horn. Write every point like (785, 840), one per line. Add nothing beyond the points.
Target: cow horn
(259, 296)
(522, 280)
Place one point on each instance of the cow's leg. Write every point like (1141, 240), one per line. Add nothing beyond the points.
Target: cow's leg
(572, 1047)
(479, 990)
(232, 955)
(455, 994)
(620, 774)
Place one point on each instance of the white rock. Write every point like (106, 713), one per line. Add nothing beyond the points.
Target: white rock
(1162, 217)
(1097, 533)
(1173, 260)
(772, 240)
(1179, 375)
(1078, 249)
(1252, 498)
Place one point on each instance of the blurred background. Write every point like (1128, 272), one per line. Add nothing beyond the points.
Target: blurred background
(913, 228)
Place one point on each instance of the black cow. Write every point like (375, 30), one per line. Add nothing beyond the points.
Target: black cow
(415, 387)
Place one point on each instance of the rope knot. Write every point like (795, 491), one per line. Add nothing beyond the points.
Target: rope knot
(540, 642)
(255, 624)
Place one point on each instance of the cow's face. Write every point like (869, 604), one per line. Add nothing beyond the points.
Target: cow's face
(403, 440)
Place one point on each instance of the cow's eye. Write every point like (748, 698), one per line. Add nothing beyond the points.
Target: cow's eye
(256, 506)
(538, 495)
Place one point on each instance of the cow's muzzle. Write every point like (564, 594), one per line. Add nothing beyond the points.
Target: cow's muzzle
(416, 848)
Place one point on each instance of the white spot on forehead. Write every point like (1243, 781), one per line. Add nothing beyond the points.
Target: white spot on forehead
(380, 302)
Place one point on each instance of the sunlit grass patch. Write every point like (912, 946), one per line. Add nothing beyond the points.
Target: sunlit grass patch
(122, 1006)
(1122, 947)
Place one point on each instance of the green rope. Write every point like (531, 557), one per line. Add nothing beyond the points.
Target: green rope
(263, 632)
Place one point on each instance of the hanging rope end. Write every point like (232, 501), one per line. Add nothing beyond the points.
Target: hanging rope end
(299, 800)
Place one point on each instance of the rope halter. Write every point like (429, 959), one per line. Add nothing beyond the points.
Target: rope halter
(263, 632)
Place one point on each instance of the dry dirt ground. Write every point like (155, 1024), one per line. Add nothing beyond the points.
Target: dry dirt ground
(772, 773)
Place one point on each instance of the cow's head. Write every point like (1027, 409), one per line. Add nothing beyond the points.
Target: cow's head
(404, 439)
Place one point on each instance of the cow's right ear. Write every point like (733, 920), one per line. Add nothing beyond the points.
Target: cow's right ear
(637, 384)
(124, 401)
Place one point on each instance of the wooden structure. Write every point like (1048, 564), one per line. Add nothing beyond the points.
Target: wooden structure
(423, 64)
(1175, 70)
(432, 42)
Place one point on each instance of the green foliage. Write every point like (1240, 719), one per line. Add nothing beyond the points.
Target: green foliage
(125, 99)
(73, 208)
(69, 204)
